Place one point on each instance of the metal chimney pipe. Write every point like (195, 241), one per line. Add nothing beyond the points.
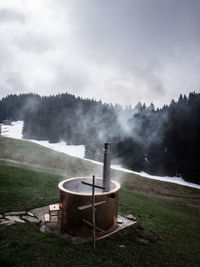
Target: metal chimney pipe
(106, 167)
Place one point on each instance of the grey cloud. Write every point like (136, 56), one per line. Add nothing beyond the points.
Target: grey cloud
(120, 51)
(36, 43)
(135, 30)
(71, 79)
(133, 85)
(9, 15)
(11, 82)
(131, 35)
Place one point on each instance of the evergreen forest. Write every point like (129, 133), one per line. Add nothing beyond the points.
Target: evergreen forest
(161, 141)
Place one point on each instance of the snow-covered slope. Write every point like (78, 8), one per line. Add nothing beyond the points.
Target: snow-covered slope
(15, 131)
(176, 180)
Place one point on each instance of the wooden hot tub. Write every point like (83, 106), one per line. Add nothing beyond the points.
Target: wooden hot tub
(74, 194)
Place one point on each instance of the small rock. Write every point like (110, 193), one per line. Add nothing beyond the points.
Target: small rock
(119, 221)
(30, 214)
(13, 213)
(5, 222)
(122, 246)
(43, 228)
(31, 219)
(130, 217)
(14, 219)
(1, 216)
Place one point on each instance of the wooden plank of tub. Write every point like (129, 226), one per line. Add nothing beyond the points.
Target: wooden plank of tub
(90, 205)
(96, 227)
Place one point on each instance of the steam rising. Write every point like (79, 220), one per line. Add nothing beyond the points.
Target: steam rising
(15, 131)
(76, 121)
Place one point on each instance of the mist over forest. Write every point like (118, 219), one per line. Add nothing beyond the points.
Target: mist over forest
(163, 141)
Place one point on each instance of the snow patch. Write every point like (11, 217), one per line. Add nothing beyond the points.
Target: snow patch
(15, 131)
(175, 179)
(75, 151)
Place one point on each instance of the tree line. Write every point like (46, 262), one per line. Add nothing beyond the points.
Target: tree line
(162, 141)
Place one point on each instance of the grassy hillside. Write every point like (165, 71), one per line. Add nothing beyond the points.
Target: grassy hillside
(30, 154)
(167, 232)
(33, 154)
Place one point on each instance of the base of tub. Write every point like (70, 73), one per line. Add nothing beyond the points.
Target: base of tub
(86, 231)
(54, 229)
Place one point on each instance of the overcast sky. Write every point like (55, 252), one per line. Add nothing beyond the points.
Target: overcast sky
(122, 51)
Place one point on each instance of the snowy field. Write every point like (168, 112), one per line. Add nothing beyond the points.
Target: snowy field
(176, 180)
(15, 131)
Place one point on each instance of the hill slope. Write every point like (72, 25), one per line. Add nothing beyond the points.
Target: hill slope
(167, 232)
(28, 153)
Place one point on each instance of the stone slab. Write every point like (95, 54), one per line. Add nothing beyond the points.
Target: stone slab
(40, 212)
(13, 213)
(14, 219)
(5, 222)
(31, 219)
(30, 213)
(124, 223)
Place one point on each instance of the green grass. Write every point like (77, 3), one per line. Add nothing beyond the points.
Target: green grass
(167, 232)
(30, 153)
(23, 188)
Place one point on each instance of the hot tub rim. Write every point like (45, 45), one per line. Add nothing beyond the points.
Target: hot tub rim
(61, 187)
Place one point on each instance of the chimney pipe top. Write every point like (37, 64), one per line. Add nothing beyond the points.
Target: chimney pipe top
(106, 167)
(107, 147)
